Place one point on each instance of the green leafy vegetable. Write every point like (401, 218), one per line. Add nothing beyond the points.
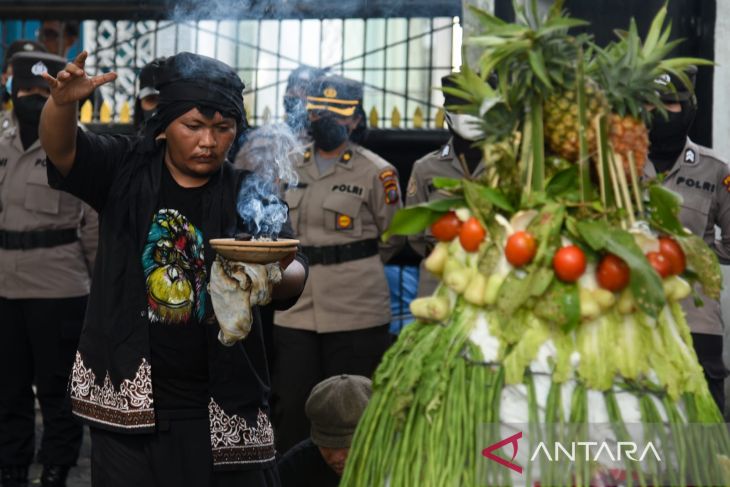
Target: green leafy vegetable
(663, 209)
(703, 261)
(560, 305)
(645, 284)
(415, 219)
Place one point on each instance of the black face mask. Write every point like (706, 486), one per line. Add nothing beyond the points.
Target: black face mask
(328, 134)
(668, 136)
(28, 111)
(463, 147)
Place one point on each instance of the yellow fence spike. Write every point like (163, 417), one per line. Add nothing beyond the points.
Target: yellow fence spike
(418, 118)
(266, 115)
(87, 112)
(374, 118)
(440, 118)
(105, 113)
(395, 118)
(124, 116)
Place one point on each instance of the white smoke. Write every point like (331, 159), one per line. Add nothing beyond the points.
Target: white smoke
(269, 153)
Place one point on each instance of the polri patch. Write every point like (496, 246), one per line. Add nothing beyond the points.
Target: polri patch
(343, 222)
(726, 183)
(390, 186)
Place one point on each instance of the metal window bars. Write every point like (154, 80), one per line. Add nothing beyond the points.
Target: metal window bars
(399, 60)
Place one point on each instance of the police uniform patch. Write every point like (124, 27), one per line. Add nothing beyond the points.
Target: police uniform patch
(726, 183)
(690, 157)
(343, 222)
(346, 156)
(412, 188)
(390, 184)
(307, 155)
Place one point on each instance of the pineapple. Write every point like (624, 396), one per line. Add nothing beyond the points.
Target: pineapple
(561, 120)
(627, 70)
(629, 134)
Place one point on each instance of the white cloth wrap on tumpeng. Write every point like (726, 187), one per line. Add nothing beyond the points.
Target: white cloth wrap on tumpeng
(235, 287)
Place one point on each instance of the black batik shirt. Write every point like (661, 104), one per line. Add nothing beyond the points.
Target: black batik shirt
(113, 377)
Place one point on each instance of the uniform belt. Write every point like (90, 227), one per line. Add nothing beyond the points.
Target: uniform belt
(10, 240)
(336, 254)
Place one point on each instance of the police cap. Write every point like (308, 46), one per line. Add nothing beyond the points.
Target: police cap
(28, 68)
(673, 90)
(334, 93)
(21, 46)
(147, 78)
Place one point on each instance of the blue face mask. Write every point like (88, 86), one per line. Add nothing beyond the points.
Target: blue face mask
(9, 85)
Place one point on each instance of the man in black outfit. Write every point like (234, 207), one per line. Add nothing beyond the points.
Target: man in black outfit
(334, 408)
(166, 402)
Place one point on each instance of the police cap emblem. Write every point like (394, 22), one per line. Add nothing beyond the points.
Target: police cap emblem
(39, 68)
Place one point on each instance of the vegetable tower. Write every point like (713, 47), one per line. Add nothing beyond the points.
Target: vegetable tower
(561, 277)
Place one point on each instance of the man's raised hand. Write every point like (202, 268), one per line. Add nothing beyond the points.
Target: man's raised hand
(72, 84)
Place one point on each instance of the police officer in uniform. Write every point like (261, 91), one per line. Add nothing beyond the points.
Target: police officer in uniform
(456, 159)
(295, 100)
(47, 248)
(16, 47)
(702, 178)
(345, 199)
(147, 96)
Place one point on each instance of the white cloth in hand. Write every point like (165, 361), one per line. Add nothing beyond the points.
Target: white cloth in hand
(234, 288)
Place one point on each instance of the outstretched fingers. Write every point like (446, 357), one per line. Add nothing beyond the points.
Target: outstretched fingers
(52, 82)
(80, 60)
(103, 79)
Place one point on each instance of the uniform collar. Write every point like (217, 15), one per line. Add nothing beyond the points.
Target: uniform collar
(689, 157)
(308, 163)
(447, 154)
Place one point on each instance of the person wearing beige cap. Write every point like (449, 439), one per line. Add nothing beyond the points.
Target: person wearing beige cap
(334, 408)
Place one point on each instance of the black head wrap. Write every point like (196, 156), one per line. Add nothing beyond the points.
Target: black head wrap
(186, 81)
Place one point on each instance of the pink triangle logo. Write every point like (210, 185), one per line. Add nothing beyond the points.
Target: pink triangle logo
(487, 452)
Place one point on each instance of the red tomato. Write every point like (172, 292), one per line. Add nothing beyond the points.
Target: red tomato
(613, 273)
(660, 263)
(472, 235)
(520, 249)
(446, 228)
(569, 263)
(670, 249)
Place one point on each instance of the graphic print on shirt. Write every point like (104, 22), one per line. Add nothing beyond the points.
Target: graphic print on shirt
(174, 268)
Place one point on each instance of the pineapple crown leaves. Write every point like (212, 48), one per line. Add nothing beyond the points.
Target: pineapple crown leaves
(532, 55)
(627, 69)
(483, 101)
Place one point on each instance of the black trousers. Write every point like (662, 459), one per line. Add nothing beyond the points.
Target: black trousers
(709, 353)
(177, 455)
(38, 340)
(305, 358)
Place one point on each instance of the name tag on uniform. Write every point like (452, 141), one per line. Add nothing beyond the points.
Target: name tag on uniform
(696, 184)
(348, 188)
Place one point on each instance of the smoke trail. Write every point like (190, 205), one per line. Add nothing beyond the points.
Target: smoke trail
(268, 154)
